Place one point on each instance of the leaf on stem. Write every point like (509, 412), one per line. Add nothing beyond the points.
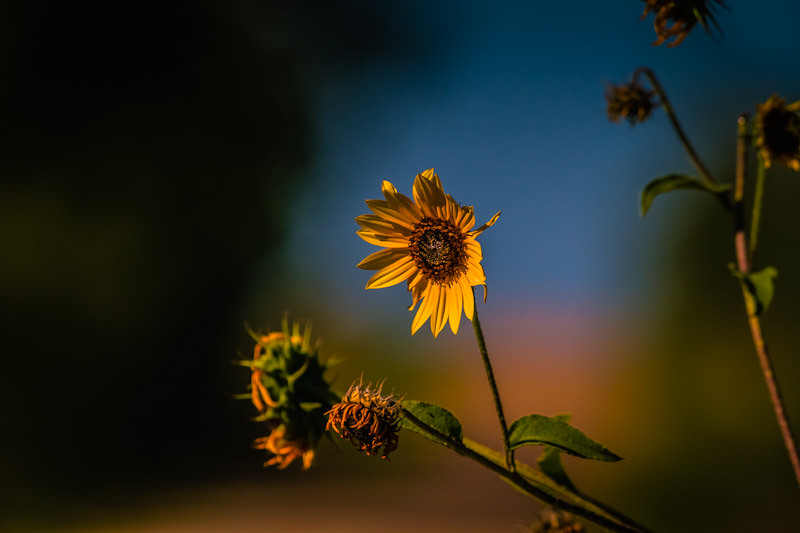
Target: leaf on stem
(551, 466)
(532, 430)
(674, 182)
(558, 495)
(434, 416)
(759, 288)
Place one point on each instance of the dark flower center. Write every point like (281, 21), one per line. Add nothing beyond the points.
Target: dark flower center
(439, 249)
(781, 132)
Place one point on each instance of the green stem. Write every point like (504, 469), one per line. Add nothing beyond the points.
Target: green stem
(487, 365)
(756, 331)
(673, 118)
(549, 493)
(758, 199)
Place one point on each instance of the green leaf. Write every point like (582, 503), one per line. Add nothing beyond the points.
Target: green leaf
(435, 417)
(673, 182)
(543, 430)
(550, 461)
(550, 464)
(759, 288)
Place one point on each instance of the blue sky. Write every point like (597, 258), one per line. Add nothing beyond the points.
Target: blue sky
(507, 104)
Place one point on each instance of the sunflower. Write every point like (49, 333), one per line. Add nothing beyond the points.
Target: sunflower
(428, 243)
(777, 130)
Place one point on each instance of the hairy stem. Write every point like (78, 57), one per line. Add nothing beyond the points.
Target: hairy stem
(673, 118)
(743, 262)
(487, 365)
(755, 221)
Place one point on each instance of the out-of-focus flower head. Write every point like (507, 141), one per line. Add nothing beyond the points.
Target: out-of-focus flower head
(674, 19)
(558, 522)
(291, 393)
(367, 419)
(777, 132)
(429, 242)
(630, 101)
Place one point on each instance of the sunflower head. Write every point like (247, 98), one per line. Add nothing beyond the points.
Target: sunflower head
(369, 420)
(291, 394)
(777, 132)
(629, 101)
(429, 243)
(674, 19)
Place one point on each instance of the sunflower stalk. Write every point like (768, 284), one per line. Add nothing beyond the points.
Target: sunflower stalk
(743, 257)
(498, 405)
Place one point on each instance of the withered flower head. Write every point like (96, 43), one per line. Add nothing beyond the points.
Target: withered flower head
(777, 132)
(629, 101)
(676, 18)
(367, 419)
(291, 394)
(285, 451)
(558, 522)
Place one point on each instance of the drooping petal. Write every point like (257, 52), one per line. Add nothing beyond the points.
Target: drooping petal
(489, 224)
(418, 290)
(467, 296)
(416, 280)
(439, 313)
(393, 274)
(454, 305)
(475, 274)
(426, 307)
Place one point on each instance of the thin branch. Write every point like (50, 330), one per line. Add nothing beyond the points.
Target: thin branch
(743, 263)
(673, 118)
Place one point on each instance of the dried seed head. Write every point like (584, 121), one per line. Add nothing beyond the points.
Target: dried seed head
(777, 132)
(674, 19)
(630, 101)
(367, 419)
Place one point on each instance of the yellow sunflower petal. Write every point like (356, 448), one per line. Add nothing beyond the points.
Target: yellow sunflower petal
(467, 297)
(465, 218)
(418, 286)
(401, 202)
(475, 274)
(386, 212)
(382, 258)
(454, 305)
(416, 280)
(439, 313)
(425, 308)
(378, 224)
(428, 192)
(382, 240)
(393, 274)
(489, 224)
(451, 208)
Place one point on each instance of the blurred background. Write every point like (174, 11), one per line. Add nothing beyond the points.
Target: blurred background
(172, 171)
